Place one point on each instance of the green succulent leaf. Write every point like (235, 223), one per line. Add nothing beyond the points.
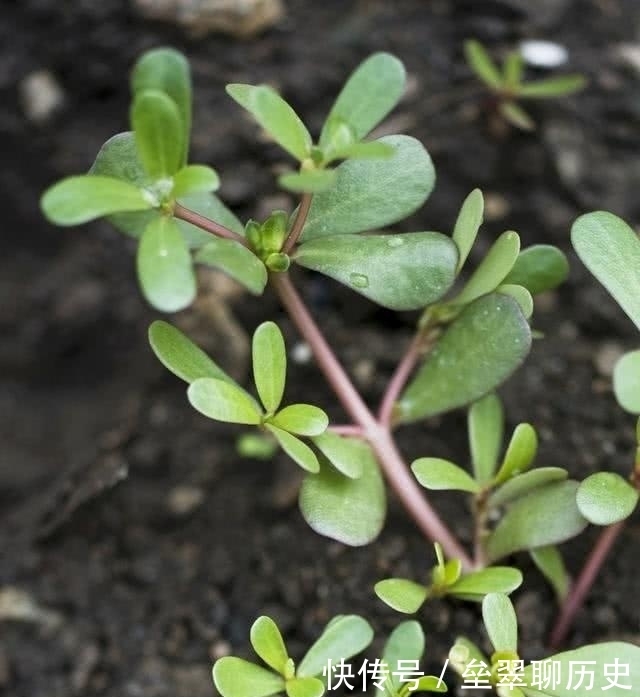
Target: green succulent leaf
(269, 364)
(482, 64)
(256, 446)
(539, 268)
(485, 424)
(626, 382)
(401, 594)
(195, 179)
(467, 225)
(236, 261)
(547, 516)
(521, 295)
(301, 419)
(235, 677)
(370, 150)
(480, 350)
(405, 643)
(370, 93)
(277, 117)
(515, 115)
(351, 511)
(157, 129)
(268, 643)
(521, 452)
(500, 622)
(296, 449)
(605, 498)
(493, 268)
(523, 484)
(305, 687)
(369, 194)
(610, 249)
(551, 566)
(402, 272)
(345, 454)
(181, 356)
(426, 683)
(494, 579)
(598, 656)
(165, 268)
(223, 401)
(167, 70)
(435, 473)
(560, 86)
(343, 638)
(311, 181)
(78, 199)
(463, 652)
(513, 69)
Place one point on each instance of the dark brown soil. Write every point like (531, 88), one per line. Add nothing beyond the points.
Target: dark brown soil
(125, 592)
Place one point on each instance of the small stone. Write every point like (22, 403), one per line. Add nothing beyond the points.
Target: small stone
(301, 353)
(364, 371)
(183, 500)
(496, 206)
(629, 54)
(41, 96)
(543, 54)
(606, 358)
(219, 649)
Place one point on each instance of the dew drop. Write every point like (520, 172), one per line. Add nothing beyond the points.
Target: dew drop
(359, 280)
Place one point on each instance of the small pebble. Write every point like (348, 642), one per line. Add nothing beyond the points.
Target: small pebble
(41, 96)
(543, 54)
(606, 358)
(183, 500)
(301, 353)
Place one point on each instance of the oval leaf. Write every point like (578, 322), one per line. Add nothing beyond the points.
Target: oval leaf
(521, 452)
(311, 181)
(369, 194)
(521, 295)
(401, 594)
(500, 622)
(401, 272)
(434, 473)
(273, 114)
(157, 130)
(467, 225)
(482, 64)
(235, 677)
(525, 483)
(165, 269)
(493, 579)
(539, 268)
(478, 352)
(485, 424)
(560, 86)
(369, 94)
(605, 498)
(267, 642)
(610, 249)
(405, 643)
(345, 454)
(594, 657)
(551, 566)
(296, 449)
(343, 638)
(223, 401)
(269, 364)
(547, 516)
(626, 382)
(301, 419)
(167, 70)
(305, 687)
(497, 263)
(194, 179)
(236, 261)
(181, 356)
(78, 199)
(348, 510)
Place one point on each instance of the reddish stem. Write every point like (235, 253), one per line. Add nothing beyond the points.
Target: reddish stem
(298, 225)
(580, 589)
(207, 224)
(347, 430)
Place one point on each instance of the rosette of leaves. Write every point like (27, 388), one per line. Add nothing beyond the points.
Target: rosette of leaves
(136, 180)
(343, 494)
(481, 334)
(509, 676)
(344, 637)
(447, 579)
(508, 87)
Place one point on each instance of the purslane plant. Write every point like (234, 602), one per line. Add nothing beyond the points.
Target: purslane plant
(472, 333)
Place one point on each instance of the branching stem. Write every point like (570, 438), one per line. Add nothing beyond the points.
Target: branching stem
(207, 224)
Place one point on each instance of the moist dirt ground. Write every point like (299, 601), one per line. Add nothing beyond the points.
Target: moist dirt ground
(135, 545)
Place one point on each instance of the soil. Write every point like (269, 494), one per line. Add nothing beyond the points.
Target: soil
(135, 545)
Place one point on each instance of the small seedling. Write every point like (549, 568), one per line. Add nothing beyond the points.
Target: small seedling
(474, 330)
(507, 86)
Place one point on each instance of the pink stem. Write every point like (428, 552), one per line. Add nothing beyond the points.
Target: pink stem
(207, 224)
(347, 430)
(378, 434)
(298, 225)
(578, 592)
(399, 380)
